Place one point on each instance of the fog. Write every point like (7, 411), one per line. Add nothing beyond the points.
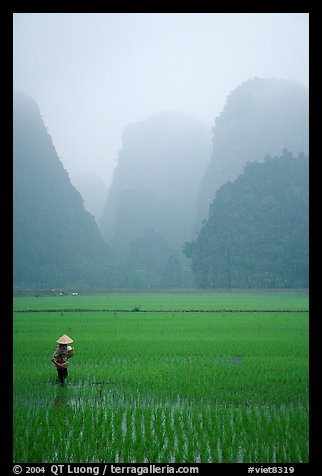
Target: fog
(93, 74)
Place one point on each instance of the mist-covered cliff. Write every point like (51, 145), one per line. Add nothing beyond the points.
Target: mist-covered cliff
(152, 199)
(261, 116)
(56, 242)
(155, 183)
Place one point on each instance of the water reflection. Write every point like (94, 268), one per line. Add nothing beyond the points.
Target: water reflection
(61, 399)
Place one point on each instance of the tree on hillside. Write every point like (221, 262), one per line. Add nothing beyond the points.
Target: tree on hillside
(256, 234)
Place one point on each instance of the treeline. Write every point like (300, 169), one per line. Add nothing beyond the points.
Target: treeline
(256, 235)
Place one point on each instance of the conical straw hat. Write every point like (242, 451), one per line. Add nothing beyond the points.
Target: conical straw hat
(65, 339)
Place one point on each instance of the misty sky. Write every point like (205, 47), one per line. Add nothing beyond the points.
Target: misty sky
(93, 73)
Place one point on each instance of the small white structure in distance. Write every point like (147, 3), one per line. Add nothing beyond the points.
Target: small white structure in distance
(74, 294)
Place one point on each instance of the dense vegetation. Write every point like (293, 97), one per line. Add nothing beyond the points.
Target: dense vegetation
(257, 231)
(56, 242)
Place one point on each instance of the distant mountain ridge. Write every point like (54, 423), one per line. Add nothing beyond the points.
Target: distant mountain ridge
(56, 243)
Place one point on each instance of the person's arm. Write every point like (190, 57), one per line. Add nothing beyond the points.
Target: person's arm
(58, 364)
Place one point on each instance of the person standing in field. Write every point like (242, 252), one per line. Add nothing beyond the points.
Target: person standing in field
(61, 355)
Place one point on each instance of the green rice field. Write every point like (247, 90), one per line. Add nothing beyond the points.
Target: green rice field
(163, 387)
